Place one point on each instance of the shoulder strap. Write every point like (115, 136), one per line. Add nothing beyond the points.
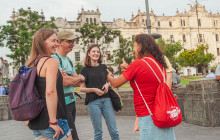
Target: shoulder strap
(59, 60)
(143, 98)
(43, 65)
(70, 61)
(154, 71)
(37, 60)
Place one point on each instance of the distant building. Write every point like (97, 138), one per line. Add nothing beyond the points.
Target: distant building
(181, 27)
(4, 69)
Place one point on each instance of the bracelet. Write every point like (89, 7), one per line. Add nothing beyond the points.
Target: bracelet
(54, 123)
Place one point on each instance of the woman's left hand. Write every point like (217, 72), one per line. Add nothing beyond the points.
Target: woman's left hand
(105, 87)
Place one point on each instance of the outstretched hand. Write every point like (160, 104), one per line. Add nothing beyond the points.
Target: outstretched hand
(124, 65)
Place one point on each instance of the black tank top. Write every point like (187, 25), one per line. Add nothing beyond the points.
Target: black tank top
(42, 120)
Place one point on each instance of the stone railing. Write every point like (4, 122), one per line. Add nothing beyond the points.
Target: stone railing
(5, 113)
(202, 102)
(199, 102)
(127, 110)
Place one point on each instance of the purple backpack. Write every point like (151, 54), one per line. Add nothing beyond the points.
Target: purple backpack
(24, 98)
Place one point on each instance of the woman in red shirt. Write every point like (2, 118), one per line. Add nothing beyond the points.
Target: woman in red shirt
(138, 70)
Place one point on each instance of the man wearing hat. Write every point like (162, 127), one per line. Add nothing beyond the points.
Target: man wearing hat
(70, 78)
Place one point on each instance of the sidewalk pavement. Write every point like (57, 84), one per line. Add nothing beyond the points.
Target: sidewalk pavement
(14, 130)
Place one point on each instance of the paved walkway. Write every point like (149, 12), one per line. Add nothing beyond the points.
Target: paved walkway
(13, 130)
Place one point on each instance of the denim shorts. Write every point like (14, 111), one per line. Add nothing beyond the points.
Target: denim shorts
(148, 131)
(49, 132)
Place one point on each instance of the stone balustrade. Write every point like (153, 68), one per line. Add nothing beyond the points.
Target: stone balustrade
(199, 102)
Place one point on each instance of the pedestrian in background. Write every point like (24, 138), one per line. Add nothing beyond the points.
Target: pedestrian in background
(211, 74)
(2, 90)
(217, 73)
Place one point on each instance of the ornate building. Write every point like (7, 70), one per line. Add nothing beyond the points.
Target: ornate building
(184, 27)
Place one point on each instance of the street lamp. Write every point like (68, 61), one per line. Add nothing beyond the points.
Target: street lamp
(197, 17)
(155, 36)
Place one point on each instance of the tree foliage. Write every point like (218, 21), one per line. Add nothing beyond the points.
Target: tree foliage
(125, 51)
(170, 50)
(78, 67)
(17, 34)
(196, 57)
(98, 34)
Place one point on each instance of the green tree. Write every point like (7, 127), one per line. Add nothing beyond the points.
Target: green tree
(94, 33)
(78, 68)
(198, 57)
(17, 34)
(170, 50)
(125, 51)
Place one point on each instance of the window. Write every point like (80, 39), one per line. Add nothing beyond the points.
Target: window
(216, 37)
(90, 20)
(158, 23)
(170, 24)
(171, 39)
(120, 38)
(184, 38)
(76, 41)
(87, 20)
(184, 24)
(199, 22)
(142, 20)
(133, 36)
(108, 54)
(218, 52)
(77, 56)
(95, 20)
(201, 38)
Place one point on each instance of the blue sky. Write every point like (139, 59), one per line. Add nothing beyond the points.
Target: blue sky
(109, 9)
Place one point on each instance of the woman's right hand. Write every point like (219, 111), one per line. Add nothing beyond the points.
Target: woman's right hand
(124, 65)
(98, 91)
(57, 130)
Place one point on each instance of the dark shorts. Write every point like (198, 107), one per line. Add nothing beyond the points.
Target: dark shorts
(49, 132)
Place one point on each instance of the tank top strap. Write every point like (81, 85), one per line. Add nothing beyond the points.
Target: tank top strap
(43, 65)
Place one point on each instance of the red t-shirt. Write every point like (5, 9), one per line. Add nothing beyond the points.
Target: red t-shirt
(146, 81)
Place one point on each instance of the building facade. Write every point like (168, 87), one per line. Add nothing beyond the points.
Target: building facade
(194, 27)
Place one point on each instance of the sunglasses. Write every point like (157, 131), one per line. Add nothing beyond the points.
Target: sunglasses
(70, 41)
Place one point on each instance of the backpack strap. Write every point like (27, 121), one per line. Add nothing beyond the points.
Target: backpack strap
(43, 65)
(143, 98)
(61, 60)
(154, 71)
(70, 61)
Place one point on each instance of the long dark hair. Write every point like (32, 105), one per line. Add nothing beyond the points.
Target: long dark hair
(38, 45)
(150, 47)
(88, 59)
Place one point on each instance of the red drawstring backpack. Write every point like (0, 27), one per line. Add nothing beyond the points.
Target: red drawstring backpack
(167, 112)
